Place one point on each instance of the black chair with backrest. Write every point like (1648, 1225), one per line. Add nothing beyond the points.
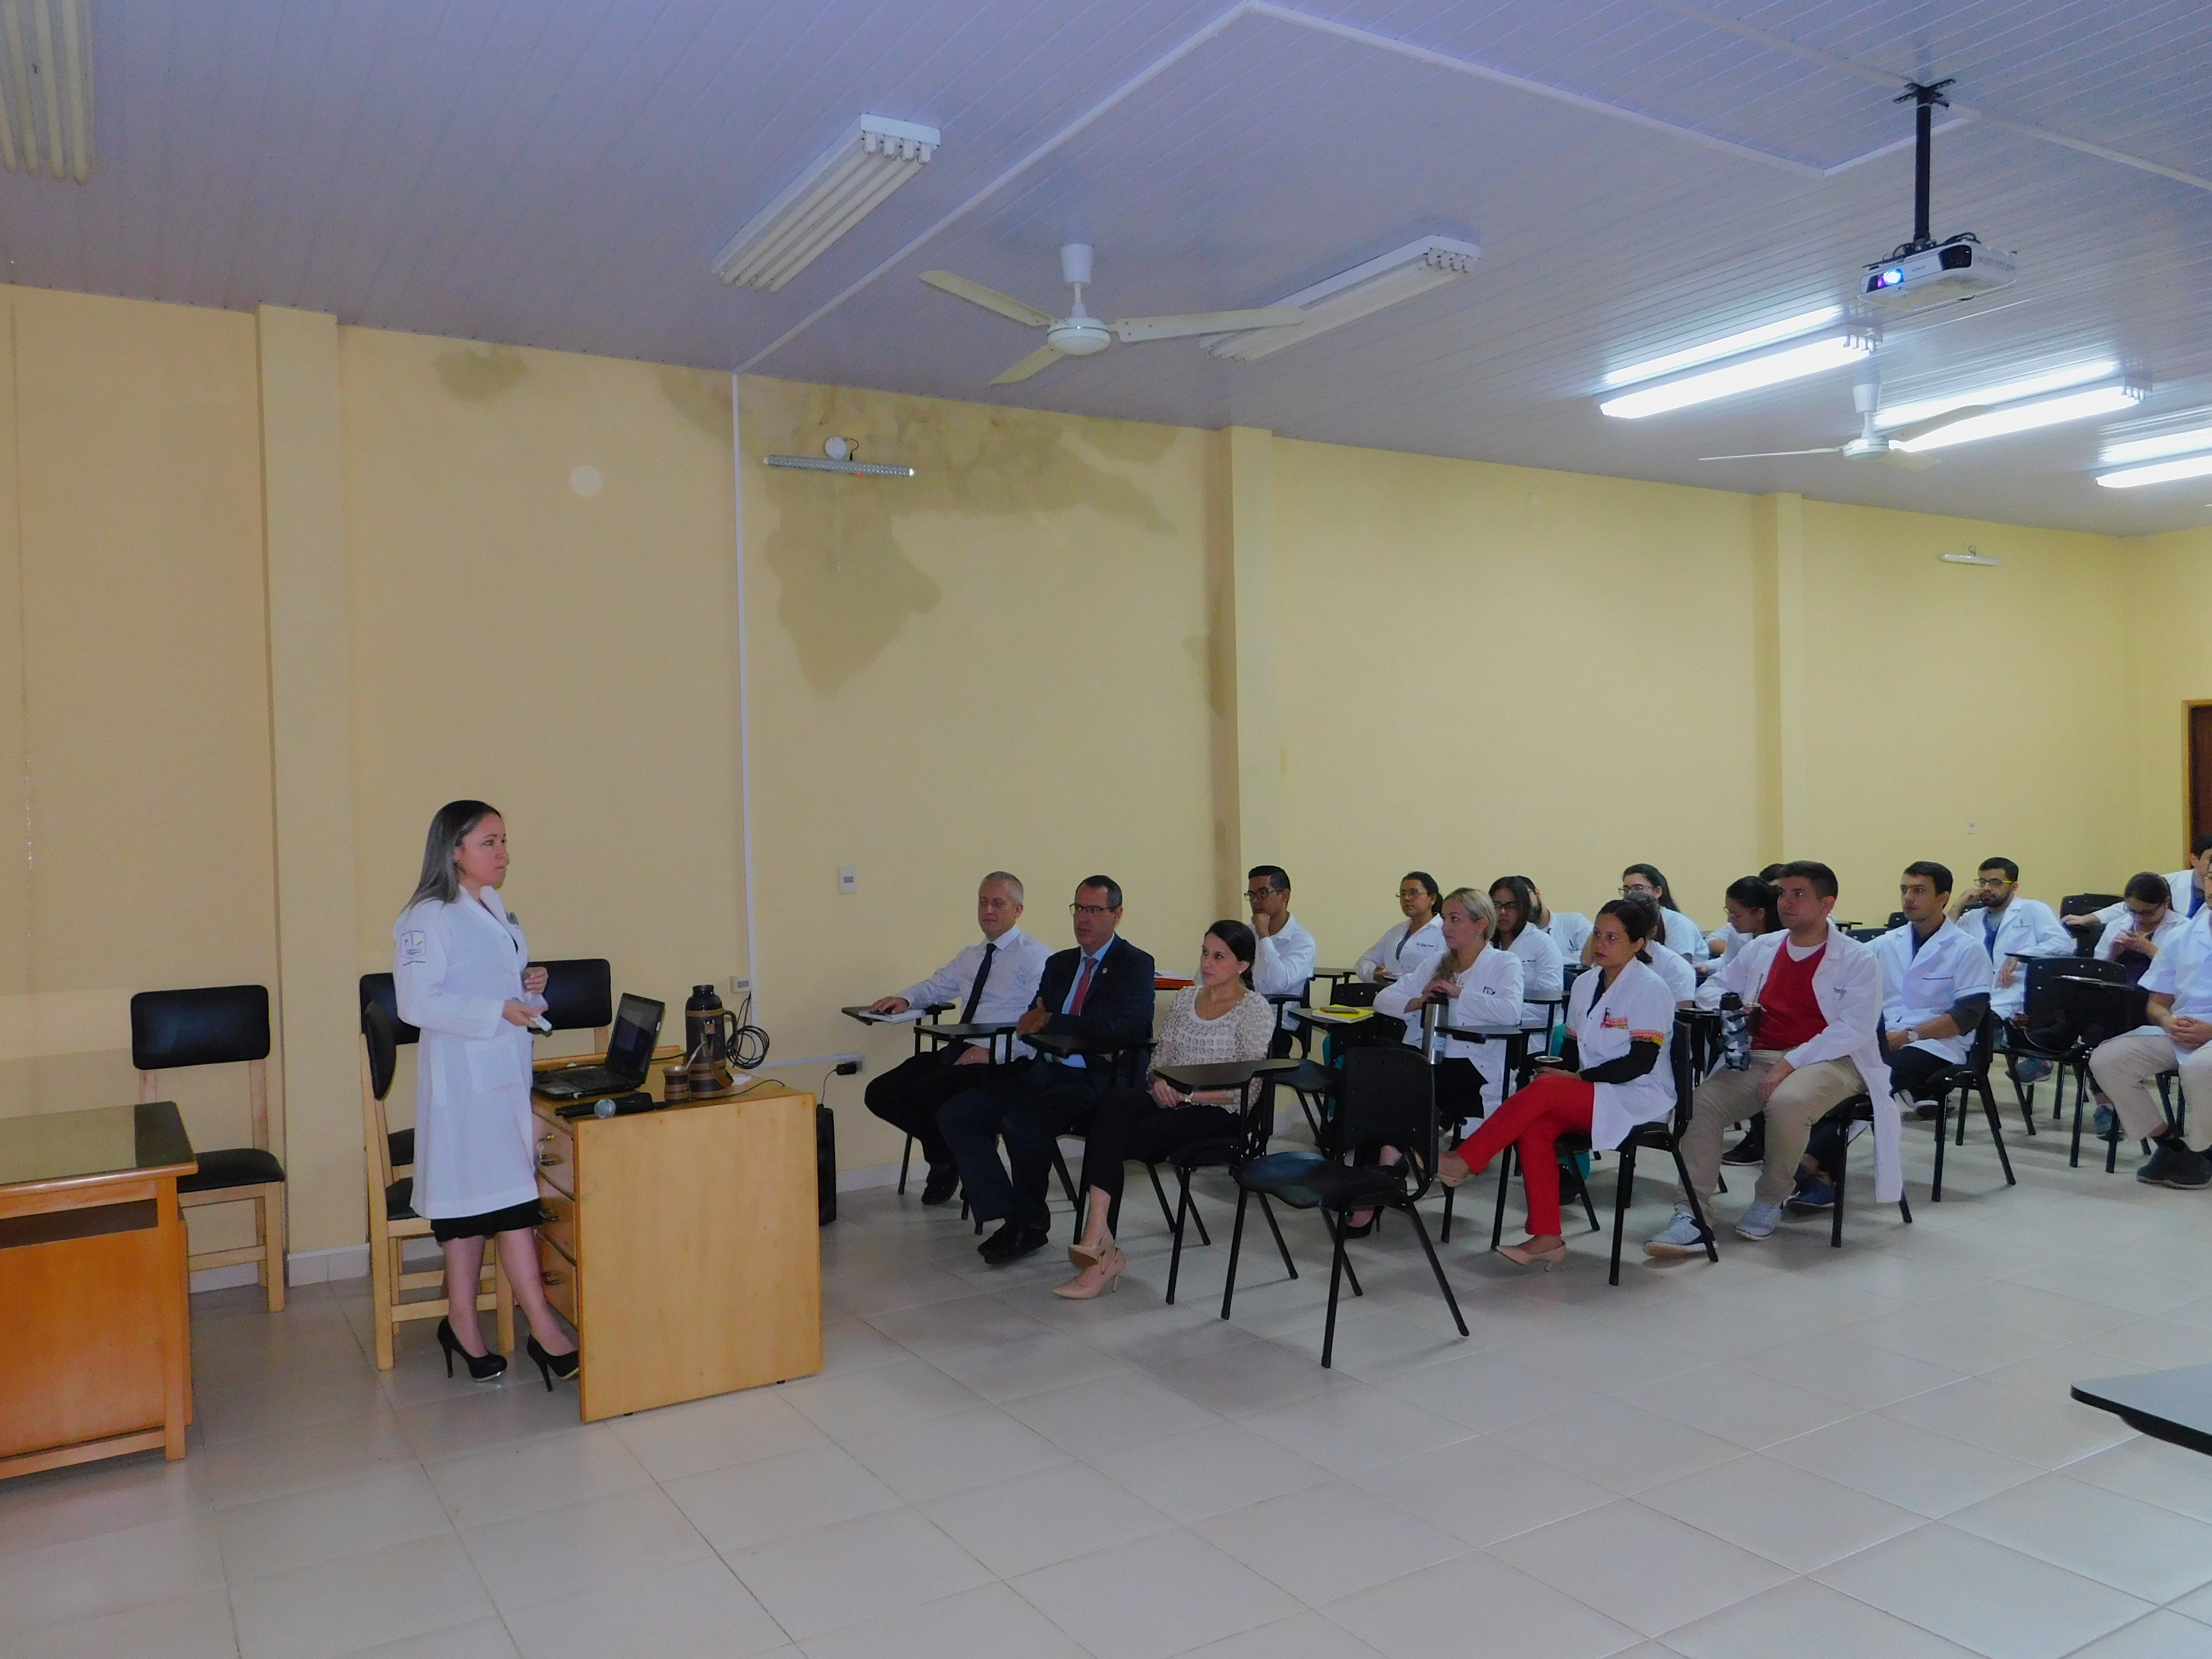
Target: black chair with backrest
(2082, 905)
(579, 996)
(1255, 1127)
(1388, 1097)
(2073, 1003)
(1858, 1108)
(1971, 1077)
(220, 1026)
(1866, 935)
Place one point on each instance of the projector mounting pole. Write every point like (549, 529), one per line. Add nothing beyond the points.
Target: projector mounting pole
(1924, 98)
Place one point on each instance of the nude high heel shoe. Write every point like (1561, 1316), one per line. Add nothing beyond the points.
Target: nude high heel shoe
(1113, 1263)
(1522, 1256)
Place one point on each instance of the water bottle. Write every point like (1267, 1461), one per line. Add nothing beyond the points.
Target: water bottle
(1735, 1033)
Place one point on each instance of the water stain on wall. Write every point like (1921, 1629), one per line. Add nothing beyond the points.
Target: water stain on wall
(478, 373)
(701, 396)
(847, 586)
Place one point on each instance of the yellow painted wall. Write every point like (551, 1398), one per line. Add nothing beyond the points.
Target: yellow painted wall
(1490, 670)
(562, 645)
(1001, 663)
(2167, 656)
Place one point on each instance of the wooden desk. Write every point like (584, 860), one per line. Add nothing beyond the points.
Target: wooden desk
(96, 1355)
(684, 1246)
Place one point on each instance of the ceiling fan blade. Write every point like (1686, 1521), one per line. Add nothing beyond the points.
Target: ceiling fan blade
(1911, 462)
(1774, 454)
(1130, 329)
(1036, 363)
(989, 298)
(1905, 434)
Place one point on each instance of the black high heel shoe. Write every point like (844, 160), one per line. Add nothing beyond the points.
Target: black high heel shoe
(482, 1367)
(551, 1366)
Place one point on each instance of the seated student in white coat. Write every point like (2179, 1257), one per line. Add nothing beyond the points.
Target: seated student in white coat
(1749, 903)
(1284, 963)
(2185, 890)
(2009, 928)
(1543, 970)
(2149, 920)
(2179, 1036)
(1680, 934)
(1620, 1022)
(1405, 943)
(1672, 967)
(1570, 929)
(1937, 982)
(1481, 985)
(462, 974)
(1817, 995)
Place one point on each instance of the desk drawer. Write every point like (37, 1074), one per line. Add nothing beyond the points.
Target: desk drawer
(559, 1227)
(555, 1153)
(560, 1279)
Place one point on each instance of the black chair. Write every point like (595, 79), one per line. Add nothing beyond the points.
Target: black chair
(1858, 1108)
(378, 988)
(2061, 1016)
(929, 1017)
(220, 1026)
(1866, 935)
(1970, 1078)
(1388, 1095)
(1255, 1128)
(2082, 905)
(579, 996)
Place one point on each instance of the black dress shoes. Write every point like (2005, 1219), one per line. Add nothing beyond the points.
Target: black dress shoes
(943, 1182)
(1011, 1243)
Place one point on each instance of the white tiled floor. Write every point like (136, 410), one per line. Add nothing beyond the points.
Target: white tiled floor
(1800, 1451)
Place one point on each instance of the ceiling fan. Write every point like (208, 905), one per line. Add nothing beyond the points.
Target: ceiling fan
(1078, 334)
(1871, 445)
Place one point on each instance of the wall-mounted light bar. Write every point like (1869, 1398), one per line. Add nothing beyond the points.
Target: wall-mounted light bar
(1390, 279)
(2193, 466)
(1728, 346)
(46, 95)
(2151, 449)
(850, 469)
(2008, 391)
(2027, 417)
(842, 188)
(1834, 350)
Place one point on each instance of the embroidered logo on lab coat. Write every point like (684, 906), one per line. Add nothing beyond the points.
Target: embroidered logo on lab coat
(413, 945)
(1615, 1023)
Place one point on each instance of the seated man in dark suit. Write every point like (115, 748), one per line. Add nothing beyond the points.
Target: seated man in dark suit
(1101, 989)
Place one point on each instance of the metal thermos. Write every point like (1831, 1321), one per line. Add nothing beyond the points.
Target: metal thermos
(705, 1020)
(1735, 1033)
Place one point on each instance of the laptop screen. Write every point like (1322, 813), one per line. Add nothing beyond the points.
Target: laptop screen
(637, 1023)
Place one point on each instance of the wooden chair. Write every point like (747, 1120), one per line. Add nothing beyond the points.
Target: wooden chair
(392, 1218)
(220, 1025)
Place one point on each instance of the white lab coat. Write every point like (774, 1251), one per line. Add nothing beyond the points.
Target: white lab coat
(2178, 886)
(1569, 932)
(1489, 994)
(2027, 928)
(1638, 1003)
(1541, 974)
(455, 967)
(1400, 946)
(1684, 937)
(1674, 969)
(2183, 971)
(1918, 986)
(1847, 986)
(1283, 964)
(2170, 927)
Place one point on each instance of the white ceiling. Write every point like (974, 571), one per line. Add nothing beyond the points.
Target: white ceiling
(1640, 174)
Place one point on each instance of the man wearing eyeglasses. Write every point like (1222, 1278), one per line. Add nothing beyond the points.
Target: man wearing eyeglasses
(1101, 990)
(2010, 928)
(1284, 961)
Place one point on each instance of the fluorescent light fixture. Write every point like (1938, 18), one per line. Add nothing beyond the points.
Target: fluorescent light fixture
(840, 189)
(2150, 449)
(1971, 556)
(45, 95)
(2195, 466)
(850, 469)
(1389, 280)
(1770, 368)
(2033, 386)
(2026, 417)
(1726, 346)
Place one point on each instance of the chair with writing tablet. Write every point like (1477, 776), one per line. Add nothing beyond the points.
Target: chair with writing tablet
(391, 1217)
(220, 1026)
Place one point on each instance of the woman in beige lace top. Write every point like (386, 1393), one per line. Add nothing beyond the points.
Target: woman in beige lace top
(1220, 1018)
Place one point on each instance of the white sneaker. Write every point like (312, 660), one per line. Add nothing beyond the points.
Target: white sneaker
(1680, 1236)
(1760, 1221)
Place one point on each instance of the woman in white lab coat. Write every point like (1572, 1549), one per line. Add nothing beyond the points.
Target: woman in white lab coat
(1680, 934)
(1480, 985)
(1542, 970)
(462, 976)
(1621, 1019)
(1405, 943)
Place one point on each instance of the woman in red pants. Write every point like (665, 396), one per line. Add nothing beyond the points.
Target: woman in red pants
(1614, 1076)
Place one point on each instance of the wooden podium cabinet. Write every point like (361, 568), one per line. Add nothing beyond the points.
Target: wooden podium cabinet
(683, 1245)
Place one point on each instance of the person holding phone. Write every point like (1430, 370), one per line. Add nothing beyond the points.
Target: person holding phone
(461, 973)
(1621, 1019)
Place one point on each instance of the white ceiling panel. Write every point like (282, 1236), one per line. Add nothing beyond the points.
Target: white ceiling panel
(1641, 174)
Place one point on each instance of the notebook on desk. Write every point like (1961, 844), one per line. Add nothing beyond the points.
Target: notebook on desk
(629, 1056)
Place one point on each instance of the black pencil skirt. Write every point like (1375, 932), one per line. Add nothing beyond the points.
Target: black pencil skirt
(514, 1219)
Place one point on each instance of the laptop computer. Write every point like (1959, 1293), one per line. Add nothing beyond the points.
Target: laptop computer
(629, 1056)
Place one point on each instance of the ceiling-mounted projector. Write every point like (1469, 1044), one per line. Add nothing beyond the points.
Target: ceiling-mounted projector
(1924, 271)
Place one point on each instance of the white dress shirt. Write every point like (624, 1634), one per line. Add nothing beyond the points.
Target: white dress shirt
(1016, 965)
(1283, 962)
(1402, 945)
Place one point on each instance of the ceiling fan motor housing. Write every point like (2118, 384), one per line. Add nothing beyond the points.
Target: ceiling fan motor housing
(1078, 337)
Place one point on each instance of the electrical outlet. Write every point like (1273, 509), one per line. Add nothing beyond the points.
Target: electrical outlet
(848, 879)
(741, 985)
(850, 1067)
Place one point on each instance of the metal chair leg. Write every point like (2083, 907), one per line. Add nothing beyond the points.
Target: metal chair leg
(1624, 1186)
(1183, 1208)
(1451, 1193)
(1335, 1273)
(1996, 1130)
(1943, 1139)
(1843, 1174)
(905, 1157)
(1236, 1243)
(1697, 1210)
(1505, 1161)
(1267, 1212)
(1438, 1268)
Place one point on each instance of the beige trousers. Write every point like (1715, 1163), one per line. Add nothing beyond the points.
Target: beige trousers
(2127, 1067)
(1805, 1096)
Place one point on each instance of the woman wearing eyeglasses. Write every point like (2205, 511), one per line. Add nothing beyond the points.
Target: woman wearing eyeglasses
(1621, 1019)
(1680, 934)
(1542, 972)
(1479, 985)
(1405, 943)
